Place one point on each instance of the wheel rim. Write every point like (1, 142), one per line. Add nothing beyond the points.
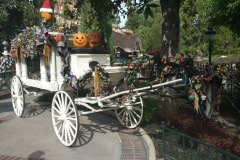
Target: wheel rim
(131, 114)
(18, 99)
(64, 118)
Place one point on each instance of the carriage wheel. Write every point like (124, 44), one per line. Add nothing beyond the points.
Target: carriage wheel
(131, 114)
(65, 118)
(18, 99)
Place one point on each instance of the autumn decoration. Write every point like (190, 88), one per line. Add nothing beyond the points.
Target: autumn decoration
(58, 38)
(46, 11)
(46, 16)
(94, 39)
(80, 40)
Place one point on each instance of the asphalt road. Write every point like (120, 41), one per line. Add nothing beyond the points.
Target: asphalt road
(32, 136)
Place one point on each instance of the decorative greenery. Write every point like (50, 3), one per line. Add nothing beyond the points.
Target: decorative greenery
(150, 107)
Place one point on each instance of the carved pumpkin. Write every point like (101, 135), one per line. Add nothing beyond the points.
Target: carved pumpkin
(94, 39)
(80, 40)
(46, 16)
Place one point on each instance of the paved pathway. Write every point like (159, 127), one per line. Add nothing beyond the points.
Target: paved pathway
(100, 137)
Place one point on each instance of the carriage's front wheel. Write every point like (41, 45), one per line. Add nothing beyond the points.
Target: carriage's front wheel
(131, 112)
(65, 118)
(18, 99)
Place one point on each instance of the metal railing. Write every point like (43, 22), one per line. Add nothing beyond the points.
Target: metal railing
(5, 81)
(230, 89)
(179, 146)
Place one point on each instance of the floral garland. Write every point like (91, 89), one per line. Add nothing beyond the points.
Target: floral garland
(195, 79)
(6, 62)
(215, 74)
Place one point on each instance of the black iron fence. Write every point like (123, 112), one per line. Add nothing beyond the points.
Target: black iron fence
(179, 146)
(231, 87)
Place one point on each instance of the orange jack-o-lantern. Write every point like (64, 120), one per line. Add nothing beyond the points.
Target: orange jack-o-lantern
(80, 40)
(94, 39)
(46, 16)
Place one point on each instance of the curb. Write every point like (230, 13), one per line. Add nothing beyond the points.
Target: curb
(148, 142)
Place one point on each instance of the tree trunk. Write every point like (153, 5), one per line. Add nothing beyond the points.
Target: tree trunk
(170, 27)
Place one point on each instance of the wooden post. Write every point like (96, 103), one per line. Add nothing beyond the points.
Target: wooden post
(211, 100)
(53, 74)
(24, 69)
(43, 71)
(60, 78)
(18, 68)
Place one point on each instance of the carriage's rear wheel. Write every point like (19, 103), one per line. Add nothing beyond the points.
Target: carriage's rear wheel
(130, 115)
(18, 99)
(65, 118)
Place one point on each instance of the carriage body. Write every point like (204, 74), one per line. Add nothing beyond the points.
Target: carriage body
(126, 103)
(50, 77)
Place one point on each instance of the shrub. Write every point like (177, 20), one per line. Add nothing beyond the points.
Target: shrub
(150, 107)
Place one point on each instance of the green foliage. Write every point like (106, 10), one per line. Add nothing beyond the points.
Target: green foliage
(147, 30)
(226, 12)
(192, 26)
(16, 15)
(150, 107)
(89, 19)
(146, 8)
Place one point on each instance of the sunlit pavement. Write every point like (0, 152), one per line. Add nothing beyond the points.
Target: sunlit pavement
(32, 137)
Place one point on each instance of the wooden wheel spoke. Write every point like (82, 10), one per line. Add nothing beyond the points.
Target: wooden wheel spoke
(56, 109)
(58, 100)
(136, 114)
(72, 129)
(64, 111)
(71, 119)
(68, 106)
(59, 129)
(17, 95)
(131, 115)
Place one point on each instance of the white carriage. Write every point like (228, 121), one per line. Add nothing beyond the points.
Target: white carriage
(127, 104)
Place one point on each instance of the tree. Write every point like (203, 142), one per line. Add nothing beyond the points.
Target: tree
(16, 15)
(170, 26)
(147, 30)
(170, 11)
(226, 12)
(170, 23)
(193, 22)
(105, 9)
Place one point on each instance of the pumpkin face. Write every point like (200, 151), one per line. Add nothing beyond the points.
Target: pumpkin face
(94, 39)
(46, 16)
(80, 40)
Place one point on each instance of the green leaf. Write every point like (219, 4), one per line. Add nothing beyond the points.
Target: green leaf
(198, 86)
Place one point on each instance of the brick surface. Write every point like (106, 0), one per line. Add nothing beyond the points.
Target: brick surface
(132, 146)
(4, 157)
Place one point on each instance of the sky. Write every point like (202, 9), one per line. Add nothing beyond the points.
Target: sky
(122, 21)
(122, 18)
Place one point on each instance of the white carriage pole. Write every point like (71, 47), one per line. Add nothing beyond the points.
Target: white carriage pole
(24, 69)
(91, 101)
(60, 78)
(53, 75)
(18, 68)
(43, 70)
